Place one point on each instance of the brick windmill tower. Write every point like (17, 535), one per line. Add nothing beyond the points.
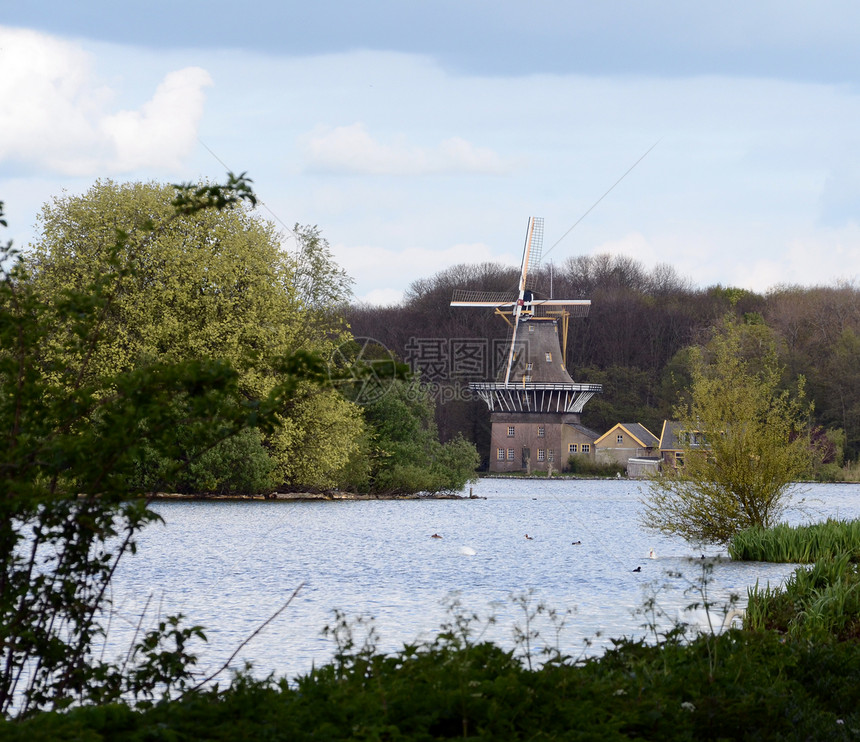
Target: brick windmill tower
(535, 405)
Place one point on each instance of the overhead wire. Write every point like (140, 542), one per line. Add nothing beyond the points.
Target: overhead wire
(274, 216)
(591, 208)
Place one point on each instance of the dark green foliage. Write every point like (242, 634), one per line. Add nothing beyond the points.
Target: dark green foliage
(406, 454)
(629, 393)
(239, 465)
(762, 688)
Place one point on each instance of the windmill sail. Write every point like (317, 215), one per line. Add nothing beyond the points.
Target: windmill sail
(522, 305)
(528, 273)
(532, 254)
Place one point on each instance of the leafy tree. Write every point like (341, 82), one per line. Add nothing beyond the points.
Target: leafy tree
(407, 456)
(211, 283)
(744, 437)
(319, 436)
(74, 430)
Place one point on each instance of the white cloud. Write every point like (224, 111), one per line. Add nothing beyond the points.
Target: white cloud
(53, 111)
(351, 149)
(164, 130)
(822, 258)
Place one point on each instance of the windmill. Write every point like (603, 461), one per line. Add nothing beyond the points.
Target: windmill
(533, 393)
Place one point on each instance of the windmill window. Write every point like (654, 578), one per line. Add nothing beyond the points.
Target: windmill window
(528, 367)
(619, 438)
(541, 431)
(573, 448)
(531, 328)
(527, 377)
(541, 454)
(511, 431)
(510, 454)
(586, 447)
(549, 357)
(500, 455)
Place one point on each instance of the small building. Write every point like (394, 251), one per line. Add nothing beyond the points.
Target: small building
(643, 468)
(577, 440)
(625, 441)
(675, 439)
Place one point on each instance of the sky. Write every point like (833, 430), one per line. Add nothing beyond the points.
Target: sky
(422, 134)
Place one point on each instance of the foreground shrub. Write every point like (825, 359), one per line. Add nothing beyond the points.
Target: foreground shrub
(738, 685)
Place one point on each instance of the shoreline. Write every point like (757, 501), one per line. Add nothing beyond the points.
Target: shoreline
(311, 497)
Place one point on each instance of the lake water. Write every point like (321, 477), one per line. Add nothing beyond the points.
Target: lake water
(229, 565)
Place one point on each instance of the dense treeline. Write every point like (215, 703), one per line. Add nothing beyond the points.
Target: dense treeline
(636, 337)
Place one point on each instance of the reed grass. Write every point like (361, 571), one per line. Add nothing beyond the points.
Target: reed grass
(798, 544)
(816, 602)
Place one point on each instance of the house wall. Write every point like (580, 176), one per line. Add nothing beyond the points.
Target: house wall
(621, 454)
(617, 446)
(583, 444)
(522, 449)
(642, 468)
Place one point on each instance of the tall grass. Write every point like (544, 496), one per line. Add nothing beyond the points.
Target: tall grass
(817, 602)
(798, 544)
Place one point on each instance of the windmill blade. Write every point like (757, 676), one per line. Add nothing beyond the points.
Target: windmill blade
(483, 303)
(463, 298)
(562, 302)
(528, 273)
(573, 307)
(531, 253)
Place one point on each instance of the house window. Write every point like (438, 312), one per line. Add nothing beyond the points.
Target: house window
(541, 431)
(500, 454)
(541, 454)
(511, 431)
(550, 455)
(549, 357)
(586, 447)
(573, 448)
(619, 438)
(510, 454)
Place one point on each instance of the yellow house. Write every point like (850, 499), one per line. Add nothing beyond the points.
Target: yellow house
(625, 441)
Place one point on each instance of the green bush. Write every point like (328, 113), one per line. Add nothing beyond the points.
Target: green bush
(240, 465)
(762, 687)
